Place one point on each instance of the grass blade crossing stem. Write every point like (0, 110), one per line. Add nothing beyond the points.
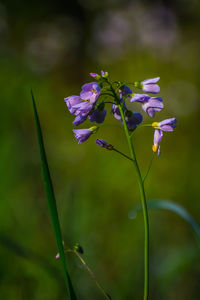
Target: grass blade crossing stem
(52, 203)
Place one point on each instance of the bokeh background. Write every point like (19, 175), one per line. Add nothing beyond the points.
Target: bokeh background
(51, 46)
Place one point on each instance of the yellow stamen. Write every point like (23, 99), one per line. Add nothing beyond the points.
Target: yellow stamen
(155, 124)
(93, 91)
(94, 129)
(155, 147)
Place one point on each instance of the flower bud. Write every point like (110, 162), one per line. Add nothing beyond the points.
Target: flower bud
(104, 74)
(104, 144)
(78, 248)
(95, 75)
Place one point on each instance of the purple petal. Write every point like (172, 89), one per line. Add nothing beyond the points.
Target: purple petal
(158, 134)
(94, 97)
(71, 102)
(143, 98)
(115, 111)
(86, 95)
(151, 80)
(90, 91)
(157, 98)
(159, 151)
(93, 75)
(79, 119)
(82, 135)
(125, 90)
(171, 121)
(87, 86)
(83, 108)
(134, 120)
(152, 106)
(167, 128)
(168, 124)
(101, 143)
(98, 116)
(151, 88)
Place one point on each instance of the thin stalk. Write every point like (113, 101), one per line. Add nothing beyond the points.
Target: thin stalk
(149, 167)
(121, 153)
(90, 272)
(109, 102)
(106, 94)
(139, 126)
(144, 207)
(145, 125)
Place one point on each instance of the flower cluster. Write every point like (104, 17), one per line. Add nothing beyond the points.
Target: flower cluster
(88, 106)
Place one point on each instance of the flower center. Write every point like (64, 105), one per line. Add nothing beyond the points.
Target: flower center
(94, 129)
(93, 91)
(155, 125)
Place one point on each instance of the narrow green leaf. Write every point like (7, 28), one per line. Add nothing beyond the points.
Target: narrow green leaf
(52, 202)
(171, 206)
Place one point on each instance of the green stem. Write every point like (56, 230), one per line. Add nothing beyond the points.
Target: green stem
(139, 126)
(145, 125)
(122, 154)
(149, 167)
(91, 273)
(144, 207)
(106, 94)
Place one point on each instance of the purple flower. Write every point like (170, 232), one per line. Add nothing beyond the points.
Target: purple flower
(82, 134)
(166, 125)
(104, 144)
(158, 134)
(143, 98)
(71, 101)
(90, 91)
(83, 108)
(115, 111)
(80, 119)
(81, 111)
(153, 105)
(150, 86)
(133, 120)
(98, 115)
(124, 90)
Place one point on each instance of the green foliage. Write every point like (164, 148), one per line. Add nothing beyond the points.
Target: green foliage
(176, 208)
(52, 202)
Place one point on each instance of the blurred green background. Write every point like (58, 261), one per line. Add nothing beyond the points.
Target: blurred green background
(51, 46)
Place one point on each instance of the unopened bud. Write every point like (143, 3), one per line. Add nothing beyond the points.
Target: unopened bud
(104, 144)
(104, 74)
(78, 248)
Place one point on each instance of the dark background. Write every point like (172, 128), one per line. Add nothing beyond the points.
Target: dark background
(51, 46)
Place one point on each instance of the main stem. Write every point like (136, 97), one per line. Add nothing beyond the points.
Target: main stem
(144, 207)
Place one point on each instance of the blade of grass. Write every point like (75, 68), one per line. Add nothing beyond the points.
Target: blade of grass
(174, 207)
(52, 202)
